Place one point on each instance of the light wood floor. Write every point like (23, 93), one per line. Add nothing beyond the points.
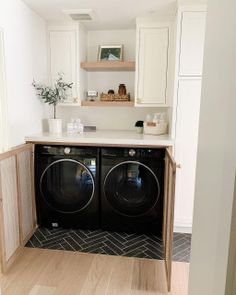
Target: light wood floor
(47, 272)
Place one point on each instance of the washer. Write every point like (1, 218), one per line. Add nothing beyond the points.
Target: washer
(132, 182)
(67, 185)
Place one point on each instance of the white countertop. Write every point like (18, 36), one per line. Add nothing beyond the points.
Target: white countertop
(103, 138)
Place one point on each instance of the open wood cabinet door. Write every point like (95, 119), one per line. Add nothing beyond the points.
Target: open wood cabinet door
(168, 217)
(17, 202)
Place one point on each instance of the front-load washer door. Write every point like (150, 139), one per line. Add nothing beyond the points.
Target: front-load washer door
(67, 186)
(131, 188)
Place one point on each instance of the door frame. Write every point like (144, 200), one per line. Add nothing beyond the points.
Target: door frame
(3, 97)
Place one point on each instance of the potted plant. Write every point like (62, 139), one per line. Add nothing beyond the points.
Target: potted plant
(53, 96)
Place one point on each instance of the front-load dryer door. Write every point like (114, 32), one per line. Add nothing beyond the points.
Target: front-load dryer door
(131, 188)
(67, 186)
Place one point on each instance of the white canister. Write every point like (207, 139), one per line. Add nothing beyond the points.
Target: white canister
(55, 126)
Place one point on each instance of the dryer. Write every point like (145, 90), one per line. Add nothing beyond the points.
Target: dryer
(67, 185)
(132, 182)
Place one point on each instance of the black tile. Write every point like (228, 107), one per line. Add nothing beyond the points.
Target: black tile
(111, 243)
(116, 249)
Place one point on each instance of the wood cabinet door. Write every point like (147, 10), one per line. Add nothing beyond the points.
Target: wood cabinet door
(152, 66)
(192, 43)
(168, 217)
(17, 213)
(27, 210)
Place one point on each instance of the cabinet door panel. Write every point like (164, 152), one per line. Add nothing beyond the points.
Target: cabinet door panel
(63, 58)
(17, 212)
(9, 207)
(26, 194)
(192, 43)
(152, 65)
(189, 95)
(168, 216)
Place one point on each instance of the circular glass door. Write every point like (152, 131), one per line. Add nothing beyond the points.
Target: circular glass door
(67, 186)
(131, 188)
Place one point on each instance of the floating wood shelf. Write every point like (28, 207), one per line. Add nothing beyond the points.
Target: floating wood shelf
(109, 66)
(107, 103)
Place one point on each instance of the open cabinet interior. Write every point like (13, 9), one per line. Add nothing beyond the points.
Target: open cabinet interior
(18, 212)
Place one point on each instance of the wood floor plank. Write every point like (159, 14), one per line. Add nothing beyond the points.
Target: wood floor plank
(47, 272)
(99, 275)
(148, 277)
(121, 277)
(43, 290)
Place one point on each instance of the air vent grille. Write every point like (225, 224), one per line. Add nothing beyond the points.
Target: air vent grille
(80, 16)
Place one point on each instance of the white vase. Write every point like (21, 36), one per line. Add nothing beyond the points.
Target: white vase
(55, 126)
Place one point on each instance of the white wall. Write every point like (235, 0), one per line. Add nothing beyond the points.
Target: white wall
(216, 161)
(113, 118)
(26, 58)
(103, 81)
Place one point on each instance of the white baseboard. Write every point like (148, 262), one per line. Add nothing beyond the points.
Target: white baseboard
(183, 229)
(183, 226)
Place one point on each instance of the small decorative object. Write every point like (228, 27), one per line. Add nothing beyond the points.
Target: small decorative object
(52, 96)
(92, 95)
(110, 53)
(122, 89)
(139, 126)
(156, 129)
(156, 126)
(112, 96)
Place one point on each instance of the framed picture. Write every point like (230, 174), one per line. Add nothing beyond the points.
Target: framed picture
(110, 53)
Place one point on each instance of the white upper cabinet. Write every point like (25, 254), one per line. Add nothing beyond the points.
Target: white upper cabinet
(152, 65)
(62, 50)
(192, 43)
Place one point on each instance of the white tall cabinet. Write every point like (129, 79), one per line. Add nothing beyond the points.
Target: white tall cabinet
(190, 32)
(152, 60)
(192, 43)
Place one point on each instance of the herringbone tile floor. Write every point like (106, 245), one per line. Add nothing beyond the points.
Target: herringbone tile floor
(111, 243)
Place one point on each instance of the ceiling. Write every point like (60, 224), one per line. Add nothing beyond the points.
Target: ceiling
(109, 14)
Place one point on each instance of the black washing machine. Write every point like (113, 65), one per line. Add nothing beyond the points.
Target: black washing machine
(132, 183)
(67, 185)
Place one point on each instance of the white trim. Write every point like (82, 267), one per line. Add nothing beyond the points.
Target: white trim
(183, 225)
(183, 229)
(4, 138)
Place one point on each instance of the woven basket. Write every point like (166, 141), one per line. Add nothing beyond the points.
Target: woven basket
(114, 97)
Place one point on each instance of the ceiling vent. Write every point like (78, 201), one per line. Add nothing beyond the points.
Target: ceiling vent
(80, 14)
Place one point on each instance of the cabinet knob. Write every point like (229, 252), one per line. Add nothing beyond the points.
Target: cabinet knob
(178, 166)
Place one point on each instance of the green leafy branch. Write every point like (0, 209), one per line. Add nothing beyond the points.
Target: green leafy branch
(53, 95)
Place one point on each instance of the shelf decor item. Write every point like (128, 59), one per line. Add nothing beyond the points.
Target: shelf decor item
(112, 96)
(139, 126)
(110, 53)
(53, 96)
(155, 128)
(91, 95)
